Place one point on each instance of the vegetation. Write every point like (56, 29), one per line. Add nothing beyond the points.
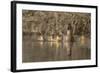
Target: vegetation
(50, 23)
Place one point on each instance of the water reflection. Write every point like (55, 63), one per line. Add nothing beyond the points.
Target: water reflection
(39, 51)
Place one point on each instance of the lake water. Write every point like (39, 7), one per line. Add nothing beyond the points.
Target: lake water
(39, 51)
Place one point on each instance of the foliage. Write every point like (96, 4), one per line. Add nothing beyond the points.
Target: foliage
(52, 22)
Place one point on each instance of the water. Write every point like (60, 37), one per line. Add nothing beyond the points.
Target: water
(39, 51)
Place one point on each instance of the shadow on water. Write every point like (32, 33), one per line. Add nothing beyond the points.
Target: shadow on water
(40, 51)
